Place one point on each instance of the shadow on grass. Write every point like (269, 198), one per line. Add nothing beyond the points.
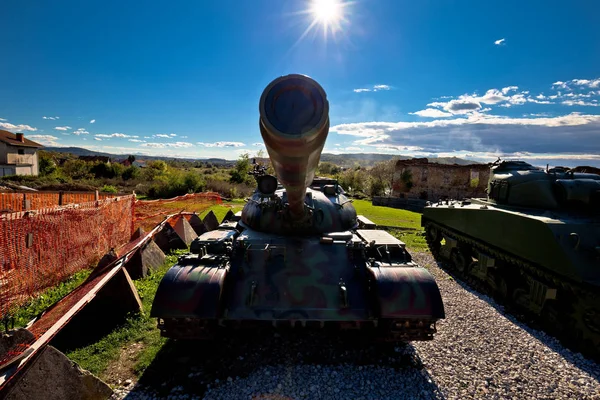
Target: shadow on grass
(194, 366)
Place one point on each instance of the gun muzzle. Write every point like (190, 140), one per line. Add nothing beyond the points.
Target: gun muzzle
(294, 123)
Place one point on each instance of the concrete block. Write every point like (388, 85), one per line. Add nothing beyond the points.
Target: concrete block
(167, 239)
(139, 232)
(185, 231)
(119, 295)
(52, 376)
(210, 221)
(145, 261)
(197, 224)
(229, 216)
(12, 340)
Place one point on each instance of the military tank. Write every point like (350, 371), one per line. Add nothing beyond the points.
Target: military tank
(533, 243)
(297, 256)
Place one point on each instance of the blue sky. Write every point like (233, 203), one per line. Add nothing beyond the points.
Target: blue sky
(474, 79)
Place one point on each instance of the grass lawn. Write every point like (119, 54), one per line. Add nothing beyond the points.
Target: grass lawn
(388, 216)
(221, 209)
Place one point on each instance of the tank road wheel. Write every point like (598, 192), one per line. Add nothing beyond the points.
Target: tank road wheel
(462, 259)
(434, 239)
(584, 329)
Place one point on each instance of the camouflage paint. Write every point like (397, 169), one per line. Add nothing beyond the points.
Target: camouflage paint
(296, 253)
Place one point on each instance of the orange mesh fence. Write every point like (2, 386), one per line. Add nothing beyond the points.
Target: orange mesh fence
(148, 213)
(22, 201)
(39, 249)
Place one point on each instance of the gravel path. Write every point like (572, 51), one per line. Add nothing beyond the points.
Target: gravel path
(477, 353)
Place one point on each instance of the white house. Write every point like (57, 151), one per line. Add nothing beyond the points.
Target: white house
(18, 155)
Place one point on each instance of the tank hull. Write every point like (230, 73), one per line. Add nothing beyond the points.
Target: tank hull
(306, 281)
(543, 263)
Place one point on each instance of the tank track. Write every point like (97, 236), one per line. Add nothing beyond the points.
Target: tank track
(566, 326)
(392, 330)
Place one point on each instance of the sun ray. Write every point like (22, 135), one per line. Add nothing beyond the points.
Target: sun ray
(329, 14)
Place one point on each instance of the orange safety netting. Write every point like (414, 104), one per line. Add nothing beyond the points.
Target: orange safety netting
(40, 248)
(148, 213)
(17, 201)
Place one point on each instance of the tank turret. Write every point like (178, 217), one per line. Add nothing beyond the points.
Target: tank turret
(518, 183)
(294, 123)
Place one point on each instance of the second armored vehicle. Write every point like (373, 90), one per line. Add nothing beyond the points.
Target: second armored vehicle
(534, 242)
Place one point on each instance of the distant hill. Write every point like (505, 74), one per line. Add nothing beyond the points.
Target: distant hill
(80, 151)
(342, 160)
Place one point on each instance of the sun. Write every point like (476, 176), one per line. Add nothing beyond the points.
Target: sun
(326, 11)
(330, 15)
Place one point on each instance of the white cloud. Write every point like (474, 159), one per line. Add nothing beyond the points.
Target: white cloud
(594, 83)
(573, 133)
(258, 144)
(162, 135)
(62, 128)
(222, 144)
(2, 119)
(164, 145)
(52, 118)
(499, 42)
(113, 135)
(183, 137)
(580, 103)
(47, 140)
(509, 89)
(172, 135)
(137, 141)
(560, 84)
(374, 88)
(432, 113)
(98, 139)
(17, 128)
(381, 87)
(93, 121)
(80, 131)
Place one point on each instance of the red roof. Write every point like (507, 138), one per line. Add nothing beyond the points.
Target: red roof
(11, 138)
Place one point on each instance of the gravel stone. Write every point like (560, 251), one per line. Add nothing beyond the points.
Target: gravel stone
(478, 352)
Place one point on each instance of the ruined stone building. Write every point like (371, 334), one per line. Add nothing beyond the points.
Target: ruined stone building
(418, 178)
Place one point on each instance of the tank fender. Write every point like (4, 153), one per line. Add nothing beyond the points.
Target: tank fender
(406, 292)
(192, 291)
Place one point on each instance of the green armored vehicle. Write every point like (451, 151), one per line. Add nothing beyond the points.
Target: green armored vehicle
(534, 242)
(297, 256)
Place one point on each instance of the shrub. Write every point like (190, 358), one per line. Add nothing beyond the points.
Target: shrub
(131, 172)
(109, 189)
(76, 169)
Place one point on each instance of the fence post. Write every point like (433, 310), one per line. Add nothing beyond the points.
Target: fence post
(60, 198)
(26, 203)
(97, 196)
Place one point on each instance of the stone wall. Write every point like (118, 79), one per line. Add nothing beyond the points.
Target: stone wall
(420, 179)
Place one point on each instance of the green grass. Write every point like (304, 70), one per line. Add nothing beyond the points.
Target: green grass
(48, 297)
(221, 209)
(388, 216)
(96, 357)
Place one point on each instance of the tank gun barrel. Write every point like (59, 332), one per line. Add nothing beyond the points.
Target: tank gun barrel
(294, 123)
